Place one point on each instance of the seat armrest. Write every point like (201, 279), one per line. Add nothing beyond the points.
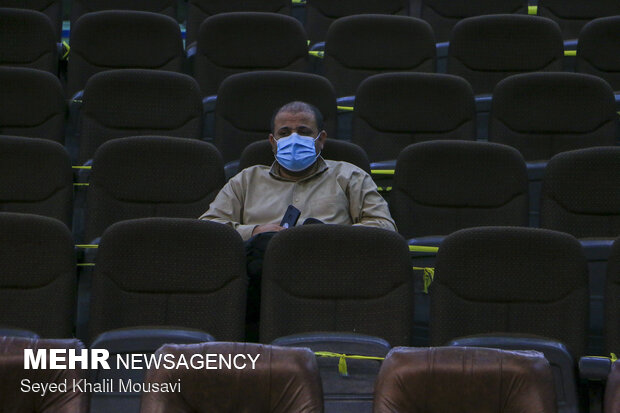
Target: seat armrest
(208, 114)
(594, 368)
(18, 332)
(344, 343)
(231, 169)
(147, 339)
(384, 165)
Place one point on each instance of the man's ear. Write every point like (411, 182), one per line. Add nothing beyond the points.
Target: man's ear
(322, 138)
(273, 143)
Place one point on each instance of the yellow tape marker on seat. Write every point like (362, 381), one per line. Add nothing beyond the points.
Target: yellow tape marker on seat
(86, 246)
(82, 167)
(569, 53)
(382, 171)
(65, 55)
(317, 53)
(345, 108)
(80, 184)
(612, 357)
(422, 248)
(429, 276)
(342, 363)
(533, 10)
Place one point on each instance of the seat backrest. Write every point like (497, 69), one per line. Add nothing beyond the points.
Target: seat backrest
(360, 46)
(320, 14)
(13, 376)
(612, 300)
(151, 176)
(487, 49)
(38, 280)
(199, 10)
(27, 39)
(443, 15)
(35, 178)
(337, 278)
(481, 184)
(32, 104)
(261, 153)
(598, 50)
(80, 7)
(260, 378)
(133, 102)
(394, 110)
(510, 280)
(239, 121)
(118, 39)
(172, 272)
(572, 15)
(581, 193)
(415, 379)
(51, 8)
(238, 42)
(542, 114)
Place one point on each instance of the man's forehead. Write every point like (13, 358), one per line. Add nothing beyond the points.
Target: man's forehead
(288, 118)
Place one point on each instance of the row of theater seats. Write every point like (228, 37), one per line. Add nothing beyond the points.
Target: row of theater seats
(318, 15)
(541, 114)
(289, 380)
(438, 187)
(500, 287)
(482, 49)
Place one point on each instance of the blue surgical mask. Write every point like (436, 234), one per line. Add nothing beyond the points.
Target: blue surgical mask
(296, 152)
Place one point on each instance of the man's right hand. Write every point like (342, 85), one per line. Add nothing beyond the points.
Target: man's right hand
(267, 228)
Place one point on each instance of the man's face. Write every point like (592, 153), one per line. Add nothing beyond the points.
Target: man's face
(285, 123)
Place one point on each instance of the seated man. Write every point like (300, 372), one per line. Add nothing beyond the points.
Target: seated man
(255, 200)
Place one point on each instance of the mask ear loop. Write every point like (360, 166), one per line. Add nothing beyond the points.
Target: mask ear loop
(318, 154)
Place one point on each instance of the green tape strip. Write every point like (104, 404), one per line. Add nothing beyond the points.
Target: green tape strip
(82, 167)
(342, 362)
(345, 108)
(429, 276)
(422, 248)
(86, 246)
(65, 55)
(533, 10)
(317, 53)
(382, 171)
(81, 184)
(569, 53)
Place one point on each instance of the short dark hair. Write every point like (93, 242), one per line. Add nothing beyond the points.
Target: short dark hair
(297, 107)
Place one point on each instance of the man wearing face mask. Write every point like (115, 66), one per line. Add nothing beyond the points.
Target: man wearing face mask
(332, 192)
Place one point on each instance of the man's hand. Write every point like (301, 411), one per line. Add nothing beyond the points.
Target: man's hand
(267, 228)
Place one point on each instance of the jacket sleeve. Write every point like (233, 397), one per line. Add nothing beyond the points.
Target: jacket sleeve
(367, 206)
(227, 208)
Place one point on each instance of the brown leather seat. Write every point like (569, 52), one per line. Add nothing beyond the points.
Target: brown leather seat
(480, 380)
(12, 375)
(612, 393)
(284, 380)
